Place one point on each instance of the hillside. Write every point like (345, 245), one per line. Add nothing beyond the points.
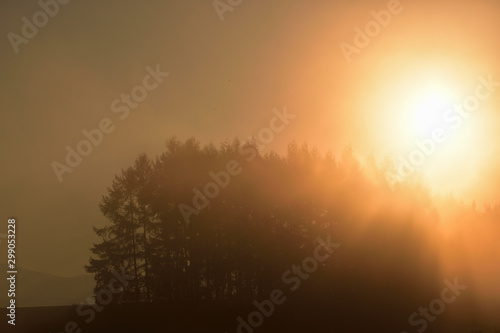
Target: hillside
(39, 289)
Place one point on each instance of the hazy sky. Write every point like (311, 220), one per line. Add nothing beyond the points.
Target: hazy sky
(225, 79)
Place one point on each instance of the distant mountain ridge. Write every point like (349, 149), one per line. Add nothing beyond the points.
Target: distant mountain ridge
(41, 289)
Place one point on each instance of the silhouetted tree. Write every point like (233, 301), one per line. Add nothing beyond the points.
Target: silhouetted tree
(193, 233)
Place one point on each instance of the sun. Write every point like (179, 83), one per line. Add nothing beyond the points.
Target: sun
(404, 103)
(409, 105)
(427, 107)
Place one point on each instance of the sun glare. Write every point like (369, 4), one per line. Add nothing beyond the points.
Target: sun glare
(411, 107)
(427, 107)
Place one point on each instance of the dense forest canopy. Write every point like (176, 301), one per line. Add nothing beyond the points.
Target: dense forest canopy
(187, 242)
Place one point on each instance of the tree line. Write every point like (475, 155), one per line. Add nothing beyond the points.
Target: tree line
(235, 248)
